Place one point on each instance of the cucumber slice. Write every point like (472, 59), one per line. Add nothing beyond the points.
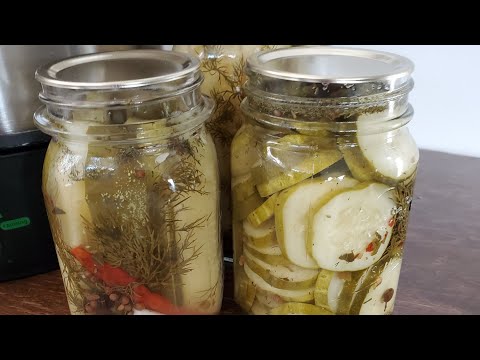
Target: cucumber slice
(351, 231)
(64, 195)
(273, 250)
(271, 259)
(292, 209)
(328, 288)
(261, 236)
(245, 292)
(387, 157)
(244, 207)
(295, 174)
(349, 289)
(243, 187)
(259, 309)
(377, 297)
(269, 299)
(304, 295)
(289, 278)
(294, 142)
(263, 212)
(292, 159)
(312, 129)
(244, 152)
(245, 197)
(299, 309)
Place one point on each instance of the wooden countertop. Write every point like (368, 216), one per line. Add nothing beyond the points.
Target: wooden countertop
(441, 267)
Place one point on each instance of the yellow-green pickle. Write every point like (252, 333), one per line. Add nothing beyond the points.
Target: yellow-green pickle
(131, 183)
(223, 68)
(323, 171)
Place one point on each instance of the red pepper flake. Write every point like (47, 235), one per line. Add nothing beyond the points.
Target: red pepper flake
(391, 222)
(139, 173)
(388, 295)
(370, 247)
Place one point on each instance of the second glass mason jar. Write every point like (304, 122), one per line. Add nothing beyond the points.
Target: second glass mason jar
(324, 174)
(223, 69)
(131, 183)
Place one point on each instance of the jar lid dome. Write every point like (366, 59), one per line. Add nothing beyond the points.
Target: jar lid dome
(373, 72)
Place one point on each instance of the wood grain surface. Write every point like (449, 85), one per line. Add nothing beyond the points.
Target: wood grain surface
(441, 267)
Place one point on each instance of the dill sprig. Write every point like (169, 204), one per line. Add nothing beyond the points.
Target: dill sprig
(402, 195)
(141, 249)
(228, 93)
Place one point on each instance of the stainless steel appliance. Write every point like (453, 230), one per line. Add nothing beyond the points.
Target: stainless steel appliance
(26, 247)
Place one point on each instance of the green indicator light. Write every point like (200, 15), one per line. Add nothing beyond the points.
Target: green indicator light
(15, 223)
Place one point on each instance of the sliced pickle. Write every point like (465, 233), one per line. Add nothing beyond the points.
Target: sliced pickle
(350, 230)
(269, 258)
(304, 295)
(329, 287)
(245, 293)
(387, 157)
(299, 309)
(293, 175)
(321, 288)
(292, 159)
(350, 287)
(378, 291)
(64, 191)
(243, 187)
(261, 236)
(289, 278)
(292, 210)
(244, 207)
(244, 152)
(319, 143)
(263, 212)
(259, 309)
(269, 299)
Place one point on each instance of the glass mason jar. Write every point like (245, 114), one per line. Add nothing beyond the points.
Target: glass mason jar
(131, 183)
(223, 68)
(325, 174)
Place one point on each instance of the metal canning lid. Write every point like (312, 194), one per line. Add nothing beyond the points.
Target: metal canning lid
(118, 78)
(372, 72)
(119, 70)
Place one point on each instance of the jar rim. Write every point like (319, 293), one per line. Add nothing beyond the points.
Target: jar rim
(151, 67)
(335, 65)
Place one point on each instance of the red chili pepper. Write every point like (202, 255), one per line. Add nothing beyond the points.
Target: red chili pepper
(140, 173)
(110, 275)
(370, 247)
(113, 276)
(157, 302)
(391, 222)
